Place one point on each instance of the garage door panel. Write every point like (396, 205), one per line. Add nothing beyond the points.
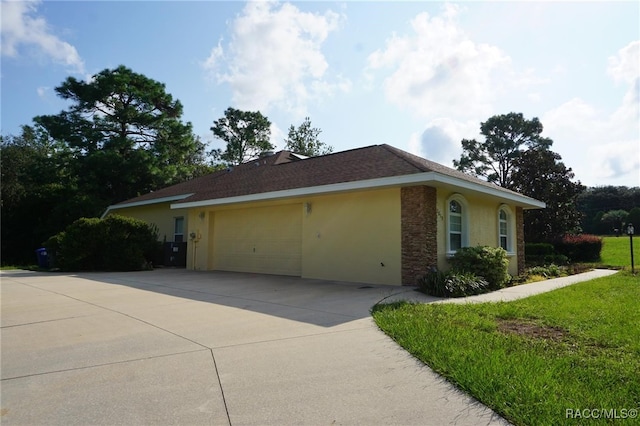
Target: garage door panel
(261, 240)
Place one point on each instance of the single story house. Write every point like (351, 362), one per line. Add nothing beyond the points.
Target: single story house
(375, 215)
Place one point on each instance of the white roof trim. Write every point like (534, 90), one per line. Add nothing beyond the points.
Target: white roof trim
(404, 180)
(523, 200)
(145, 203)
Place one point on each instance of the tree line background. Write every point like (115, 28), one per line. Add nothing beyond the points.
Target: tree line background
(123, 135)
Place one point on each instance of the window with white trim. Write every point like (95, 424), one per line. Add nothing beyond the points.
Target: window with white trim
(503, 229)
(178, 229)
(457, 224)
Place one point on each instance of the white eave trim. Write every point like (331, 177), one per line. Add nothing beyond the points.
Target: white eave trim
(145, 203)
(519, 199)
(404, 180)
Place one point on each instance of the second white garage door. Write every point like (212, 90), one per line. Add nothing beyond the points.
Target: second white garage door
(266, 240)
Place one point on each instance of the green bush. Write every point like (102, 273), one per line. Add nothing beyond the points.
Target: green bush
(460, 284)
(540, 254)
(490, 263)
(116, 243)
(433, 283)
(539, 249)
(580, 248)
(550, 271)
(53, 245)
(452, 284)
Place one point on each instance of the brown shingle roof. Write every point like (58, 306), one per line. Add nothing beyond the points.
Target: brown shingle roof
(284, 171)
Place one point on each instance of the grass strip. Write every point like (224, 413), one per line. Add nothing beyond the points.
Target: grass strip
(616, 251)
(533, 359)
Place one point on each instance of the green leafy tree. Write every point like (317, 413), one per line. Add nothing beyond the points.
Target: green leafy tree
(602, 199)
(246, 134)
(539, 173)
(634, 218)
(39, 195)
(616, 219)
(304, 140)
(25, 164)
(125, 133)
(505, 136)
(120, 137)
(594, 224)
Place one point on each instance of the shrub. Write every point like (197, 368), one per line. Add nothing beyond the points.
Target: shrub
(580, 248)
(53, 245)
(490, 263)
(130, 244)
(433, 283)
(539, 249)
(460, 284)
(116, 243)
(550, 271)
(452, 284)
(539, 254)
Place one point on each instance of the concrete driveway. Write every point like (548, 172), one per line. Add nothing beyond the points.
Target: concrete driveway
(191, 348)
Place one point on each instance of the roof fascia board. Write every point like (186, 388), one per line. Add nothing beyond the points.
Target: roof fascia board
(403, 180)
(145, 203)
(527, 202)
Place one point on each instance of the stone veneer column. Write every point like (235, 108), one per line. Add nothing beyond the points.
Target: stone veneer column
(419, 232)
(520, 238)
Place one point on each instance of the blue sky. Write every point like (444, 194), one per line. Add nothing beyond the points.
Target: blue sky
(416, 75)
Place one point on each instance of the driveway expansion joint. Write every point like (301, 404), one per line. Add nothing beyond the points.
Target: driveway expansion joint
(224, 400)
(123, 314)
(44, 321)
(124, 361)
(302, 336)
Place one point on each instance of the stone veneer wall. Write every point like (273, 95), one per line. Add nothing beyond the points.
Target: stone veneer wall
(520, 238)
(419, 232)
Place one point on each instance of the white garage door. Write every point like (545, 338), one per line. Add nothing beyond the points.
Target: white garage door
(266, 240)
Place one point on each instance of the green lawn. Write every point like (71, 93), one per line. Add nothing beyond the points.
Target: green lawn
(533, 359)
(616, 251)
(536, 361)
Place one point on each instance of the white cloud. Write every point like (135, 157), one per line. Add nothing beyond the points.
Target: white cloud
(42, 91)
(612, 140)
(599, 145)
(277, 136)
(216, 54)
(440, 75)
(23, 28)
(440, 140)
(439, 71)
(624, 67)
(274, 58)
(434, 143)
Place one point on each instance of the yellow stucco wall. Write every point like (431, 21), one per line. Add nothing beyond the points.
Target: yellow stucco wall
(483, 226)
(198, 247)
(345, 237)
(349, 237)
(159, 214)
(202, 223)
(259, 240)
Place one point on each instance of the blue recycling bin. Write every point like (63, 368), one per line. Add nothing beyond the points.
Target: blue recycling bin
(43, 258)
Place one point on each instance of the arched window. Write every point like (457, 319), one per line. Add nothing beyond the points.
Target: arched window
(505, 233)
(457, 224)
